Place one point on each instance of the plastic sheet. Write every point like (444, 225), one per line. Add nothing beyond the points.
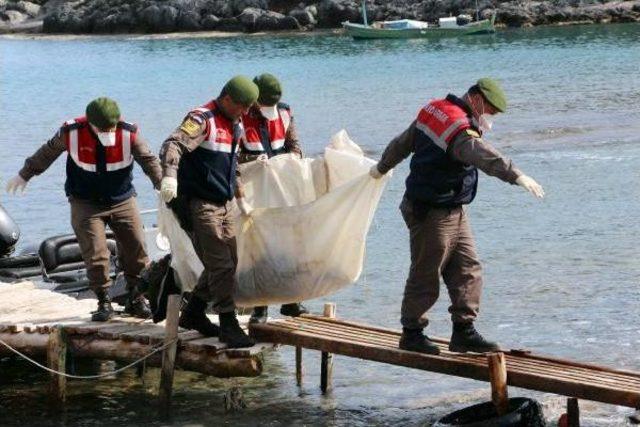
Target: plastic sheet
(306, 235)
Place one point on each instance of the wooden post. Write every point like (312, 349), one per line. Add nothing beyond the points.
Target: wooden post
(299, 366)
(573, 412)
(498, 378)
(326, 362)
(57, 360)
(169, 354)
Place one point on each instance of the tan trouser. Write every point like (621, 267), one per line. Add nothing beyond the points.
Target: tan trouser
(89, 220)
(441, 245)
(214, 240)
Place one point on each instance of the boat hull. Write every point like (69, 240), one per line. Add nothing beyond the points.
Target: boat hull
(359, 31)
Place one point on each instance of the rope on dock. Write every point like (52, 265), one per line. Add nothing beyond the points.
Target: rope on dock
(88, 377)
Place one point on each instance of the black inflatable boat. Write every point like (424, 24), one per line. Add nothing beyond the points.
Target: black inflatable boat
(56, 263)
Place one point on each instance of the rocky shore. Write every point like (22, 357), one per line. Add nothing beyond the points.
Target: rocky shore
(166, 16)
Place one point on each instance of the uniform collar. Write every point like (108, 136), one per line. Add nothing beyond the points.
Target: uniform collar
(460, 103)
(467, 109)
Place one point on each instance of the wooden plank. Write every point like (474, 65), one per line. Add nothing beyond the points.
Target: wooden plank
(57, 360)
(141, 333)
(498, 379)
(451, 364)
(169, 354)
(552, 368)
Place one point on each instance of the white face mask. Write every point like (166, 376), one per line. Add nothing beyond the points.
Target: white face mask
(269, 112)
(485, 123)
(107, 139)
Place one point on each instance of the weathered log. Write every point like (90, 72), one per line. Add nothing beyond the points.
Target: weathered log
(214, 363)
(573, 412)
(326, 360)
(57, 360)
(169, 354)
(498, 379)
(299, 366)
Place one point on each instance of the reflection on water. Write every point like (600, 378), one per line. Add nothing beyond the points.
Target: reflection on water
(561, 276)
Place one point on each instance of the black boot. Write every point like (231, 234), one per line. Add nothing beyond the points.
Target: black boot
(294, 309)
(105, 311)
(137, 305)
(466, 338)
(259, 315)
(193, 317)
(231, 333)
(415, 340)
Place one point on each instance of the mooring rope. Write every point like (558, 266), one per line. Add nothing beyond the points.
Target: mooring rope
(88, 377)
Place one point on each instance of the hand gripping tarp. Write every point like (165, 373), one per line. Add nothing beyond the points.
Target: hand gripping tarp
(306, 235)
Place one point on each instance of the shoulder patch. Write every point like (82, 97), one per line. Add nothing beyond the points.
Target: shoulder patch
(190, 126)
(472, 133)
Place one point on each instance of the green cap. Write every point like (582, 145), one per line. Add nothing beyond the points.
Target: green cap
(270, 89)
(493, 93)
(242, 90)
(103, 113)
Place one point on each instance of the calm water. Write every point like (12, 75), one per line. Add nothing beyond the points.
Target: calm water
(561, 275)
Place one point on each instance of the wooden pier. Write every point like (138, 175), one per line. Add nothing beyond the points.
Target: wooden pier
(50, 326)
(523, 369)
(29, 317)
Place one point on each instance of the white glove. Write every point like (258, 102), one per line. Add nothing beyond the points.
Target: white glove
(375, 172)
(244, 206)
(16, 183)
(530, 185)
(262, 158)
(168, 188)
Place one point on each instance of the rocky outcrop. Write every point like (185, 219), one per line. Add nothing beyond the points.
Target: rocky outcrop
(161, 16)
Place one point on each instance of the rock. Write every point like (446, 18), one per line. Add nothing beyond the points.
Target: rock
(25, 7)
(253, 19)
(249, 18)
(313, 10)
(189, 21)
(230, 24)
(107, 24)
(219, 8)
(239, 6)
(487, 13)
(160, 18)
(514, 16)
(303, 16)
(289, 23)
(13, 16)
(331, 13)
(210, 22)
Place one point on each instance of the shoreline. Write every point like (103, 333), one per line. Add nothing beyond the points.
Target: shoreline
(179, 35)
(170, 36)
(233, 18)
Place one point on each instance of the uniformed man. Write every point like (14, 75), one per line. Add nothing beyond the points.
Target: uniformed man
(448, 149)
(270, 130)
(101, 149)
(199, 162)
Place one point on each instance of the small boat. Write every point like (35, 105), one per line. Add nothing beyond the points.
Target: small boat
(56, 263)
(409, 29)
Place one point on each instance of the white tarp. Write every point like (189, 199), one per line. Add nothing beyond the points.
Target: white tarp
(306, 235)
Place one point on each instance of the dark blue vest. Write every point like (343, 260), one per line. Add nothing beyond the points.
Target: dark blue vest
(100, 185)
(209, 171)
(435, 179)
